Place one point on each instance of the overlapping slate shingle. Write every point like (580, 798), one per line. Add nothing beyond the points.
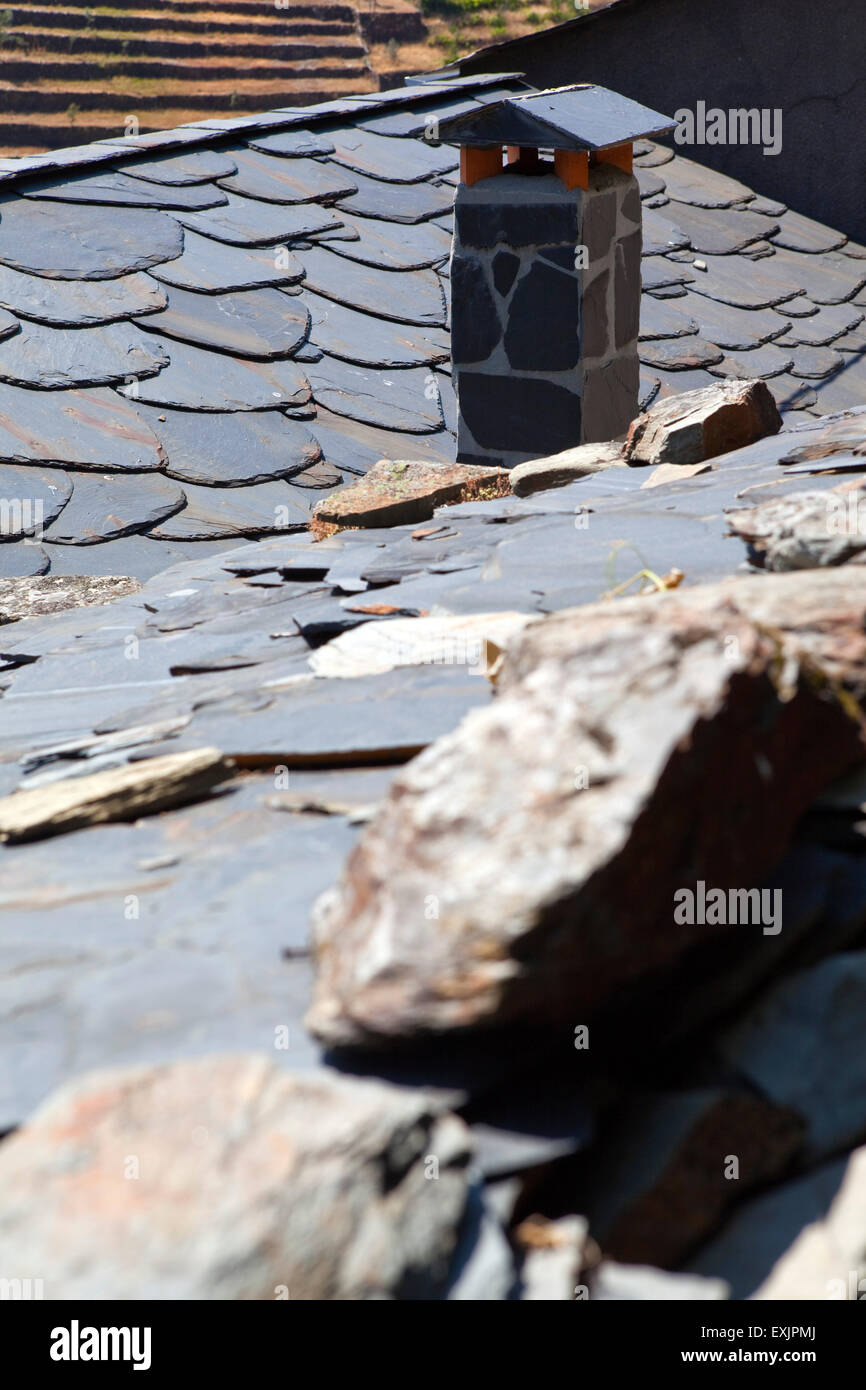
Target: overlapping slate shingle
(104, 506)
(212, 301)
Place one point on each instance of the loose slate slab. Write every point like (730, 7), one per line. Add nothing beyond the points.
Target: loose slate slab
(247, 222)
(112, 187)
(261, 323)
(84, 429)
(210, 266)
(385, 246)
(30, 500)
(214, 512)
(287, 180)
(78, 303)
(175, 171)
(396, 492)
(293, 144)
(402, 399)
(398, 202)
(354, 447)
(103, 507)
(125, 793)
(230, 450)
(417, 298)
(56, 358)
(199, 380)
(718, 232)
(553, 895)
(97, 243)
(390, 160)
(371, 341)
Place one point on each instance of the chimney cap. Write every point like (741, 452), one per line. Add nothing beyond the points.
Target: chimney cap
(580, 117)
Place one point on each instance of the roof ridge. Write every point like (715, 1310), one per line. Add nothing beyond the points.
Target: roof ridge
(205, 133)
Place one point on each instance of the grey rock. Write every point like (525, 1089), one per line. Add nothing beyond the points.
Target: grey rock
(702, 424)
(297, 1146)
(559, 470)
(33, 597)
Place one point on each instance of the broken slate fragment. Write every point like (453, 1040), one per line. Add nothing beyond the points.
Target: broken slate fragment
(122, 794)
(558, 470)
(701, 424)
(396, 492)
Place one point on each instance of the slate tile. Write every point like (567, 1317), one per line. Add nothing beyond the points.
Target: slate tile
(84, 429)
(55, 358)
(21, 561)
(180, 170)
(678, 354)
(731, 327)
(405, 399)
(816, 362)
(828, 324)
(102, 507)
(98, 243)
(689, 182)
(8, 324)
(659, 319)
(136, 555)
(388, 247)
(767, 361)
(277, 180)
(650, 184)
(764, 284)
(293, 144)
(719, 231)
(371, 341)
(353, 447)
(791, 393)
(411, 298)
(262, 323)
(649, 155)
(661, 234)
(422, 121)
(249, 222)
(199, 380)
(213, 512)
(31, 498)
(398, 202)
(825, 279)
(798, 233)
(844, 390)
(78, 303)
(319, 475)
(659, 273)
(110, 187)
(798, 308)
(213, 267)
(768, 206)
(392, 161)
(230, 450)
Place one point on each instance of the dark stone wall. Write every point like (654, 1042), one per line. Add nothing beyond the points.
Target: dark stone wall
(807, 57)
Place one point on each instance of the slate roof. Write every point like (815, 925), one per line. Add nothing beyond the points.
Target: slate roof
(203, 329)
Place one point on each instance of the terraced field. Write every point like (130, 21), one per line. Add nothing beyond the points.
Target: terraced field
(73, 72)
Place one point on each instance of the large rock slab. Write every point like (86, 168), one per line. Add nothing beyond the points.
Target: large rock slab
(398, 491)
(805, 530)
(700, 424)
(553, 829)
(828, 1260)
(226, 1178)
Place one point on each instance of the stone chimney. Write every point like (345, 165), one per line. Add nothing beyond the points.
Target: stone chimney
(545, 272)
